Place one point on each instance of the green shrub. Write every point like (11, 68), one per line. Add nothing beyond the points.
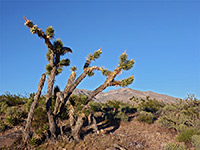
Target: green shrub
(186, 135)
(3, 107)
(14, 112)
(2, 126)
(12, 99)
(95, 106)
(127, 108)
(13, 116)
(146, 117)
(182, 115)
(33, 141)
(40, 117)
(113, 104)
(149, 105)
(78, 102)
(11, 121)
(174, 146)
(121, 116)
(27, 106)
(196, 141)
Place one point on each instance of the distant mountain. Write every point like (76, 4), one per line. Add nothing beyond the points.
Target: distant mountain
(124, 94)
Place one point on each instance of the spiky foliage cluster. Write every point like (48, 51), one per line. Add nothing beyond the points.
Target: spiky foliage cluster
(95, 55)
(105, 72)
(127, 81)
(58, 45)
(50, 32)
(73, 68)
(124, 63)
(123, 58)
(59, 70)
(29, 23)
(64, 62)
(48, 69)
(127, 65)
(48, 55)
(33, 30)
(90, 74)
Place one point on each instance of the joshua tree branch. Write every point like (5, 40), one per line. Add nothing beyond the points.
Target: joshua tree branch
(39, 32)
(32, 109)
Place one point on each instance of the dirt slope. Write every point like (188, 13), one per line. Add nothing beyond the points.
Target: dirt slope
(131, 135)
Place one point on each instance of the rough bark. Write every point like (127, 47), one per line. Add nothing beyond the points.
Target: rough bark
(59, 100)
(71, 117)
(71, 87)
(32, 109)
(109, 82)
(93, 122)
(52, 124)
(77, 128)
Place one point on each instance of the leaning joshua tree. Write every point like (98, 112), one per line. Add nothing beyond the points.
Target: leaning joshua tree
(55, 66)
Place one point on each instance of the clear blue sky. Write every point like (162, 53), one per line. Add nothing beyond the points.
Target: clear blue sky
(163, 37)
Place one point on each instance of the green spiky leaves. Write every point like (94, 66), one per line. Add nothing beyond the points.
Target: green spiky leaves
(97, 54)
(58, 45)
(59, 70)
(124, 63)
(33, 29)
(105, 72)
(48, 55)
(90, 74)
(127, 81)
(123, 58)
(64, 62)
(73, 68)
(29, 23)
(127, 65)
(94, 56)
(48, 69)
(50, 32)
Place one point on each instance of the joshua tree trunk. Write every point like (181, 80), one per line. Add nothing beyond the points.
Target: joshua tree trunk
(109, 82)
(77, 128)
(32, 109)
(52, 124)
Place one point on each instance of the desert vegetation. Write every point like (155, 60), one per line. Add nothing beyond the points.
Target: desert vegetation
(181, 118)
(63, 119)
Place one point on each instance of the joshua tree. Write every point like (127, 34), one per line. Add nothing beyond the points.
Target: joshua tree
(55, 51)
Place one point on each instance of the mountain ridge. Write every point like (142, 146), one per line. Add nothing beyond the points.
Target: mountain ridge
(124, 94)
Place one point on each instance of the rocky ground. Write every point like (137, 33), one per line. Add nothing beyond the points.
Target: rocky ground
(131, 135)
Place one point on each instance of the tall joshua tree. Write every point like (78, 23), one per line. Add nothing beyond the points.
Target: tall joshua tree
(55, 51)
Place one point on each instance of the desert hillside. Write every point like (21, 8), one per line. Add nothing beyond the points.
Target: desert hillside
(160, 122)
(124, 94)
